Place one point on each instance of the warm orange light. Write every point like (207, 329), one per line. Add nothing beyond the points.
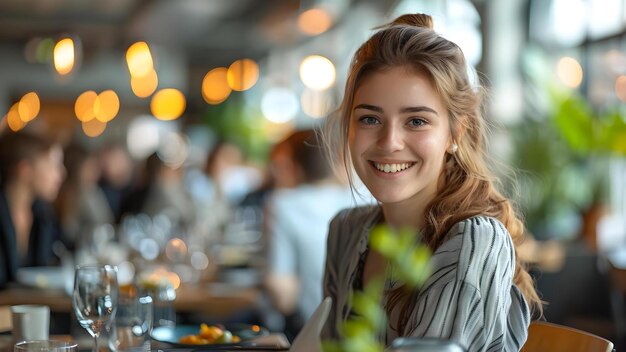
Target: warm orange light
(139, 59)
(144, 86)
(84, 106)
(64, 56)
(93, 127)
(28, 106)
(314, 21)
(13, 119)
(174, 279)
(242, 74)
(106, 106)
(569, 72)
(168, 104)
(215, 88)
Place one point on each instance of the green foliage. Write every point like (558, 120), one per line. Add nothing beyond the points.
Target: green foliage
(584, 131)
(409, 263)
(240, 124)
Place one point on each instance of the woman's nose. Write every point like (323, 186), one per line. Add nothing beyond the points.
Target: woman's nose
(390, 139)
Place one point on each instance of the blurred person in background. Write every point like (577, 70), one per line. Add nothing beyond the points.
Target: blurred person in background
(298, 213)
(117, 176)
(82, 205)
(160, 190)
(166, 192)
(31, 173)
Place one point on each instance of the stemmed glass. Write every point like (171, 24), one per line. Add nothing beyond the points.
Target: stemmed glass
(95, 298)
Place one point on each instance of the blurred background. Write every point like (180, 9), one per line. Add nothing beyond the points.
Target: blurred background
(173, 116)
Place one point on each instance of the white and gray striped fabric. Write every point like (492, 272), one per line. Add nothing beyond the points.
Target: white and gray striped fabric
(470, 297)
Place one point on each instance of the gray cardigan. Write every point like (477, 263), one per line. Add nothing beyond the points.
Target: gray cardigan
(469, 298)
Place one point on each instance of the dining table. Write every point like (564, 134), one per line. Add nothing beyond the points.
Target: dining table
(217, 300)
(214, 299)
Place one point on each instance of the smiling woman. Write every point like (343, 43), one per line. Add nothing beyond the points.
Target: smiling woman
(411, 127)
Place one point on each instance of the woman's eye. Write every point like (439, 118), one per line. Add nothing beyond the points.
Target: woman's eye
(369, 120)
(417, 122)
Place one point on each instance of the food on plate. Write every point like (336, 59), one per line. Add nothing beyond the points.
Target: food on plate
(209, 334)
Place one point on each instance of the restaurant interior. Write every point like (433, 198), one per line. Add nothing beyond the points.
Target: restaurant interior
(171, 116)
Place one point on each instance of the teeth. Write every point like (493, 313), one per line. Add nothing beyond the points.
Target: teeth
(392, 167)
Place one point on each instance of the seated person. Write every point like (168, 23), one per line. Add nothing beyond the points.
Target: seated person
(297, 219)
(411, 127)
(31, 172)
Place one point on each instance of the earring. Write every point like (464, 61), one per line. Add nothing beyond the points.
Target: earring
(454, 148)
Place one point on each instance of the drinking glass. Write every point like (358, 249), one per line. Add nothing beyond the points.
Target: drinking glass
(45, 345)
(95, 298)
(130, 331)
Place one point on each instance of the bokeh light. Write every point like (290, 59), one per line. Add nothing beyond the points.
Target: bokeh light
(143, 137)
(83, 108)
(242, 74)
(176, 250)
(215, 88)
(125, 273)
(139, 59)
(314, 21)
(317, 72)
(279, 105)
(315, 103)
(199, 261)
(569, 72)
(173, 149)
(28, 106)
(168, 104)
(149, 248)
(106, 106)
(144, 86)
(14, 121)
(93, 128)
(64, 56)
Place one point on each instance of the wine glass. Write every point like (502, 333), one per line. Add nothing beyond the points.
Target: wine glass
(95, 298)
(45, 345)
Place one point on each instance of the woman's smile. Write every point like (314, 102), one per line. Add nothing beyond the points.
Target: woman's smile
(391, 168)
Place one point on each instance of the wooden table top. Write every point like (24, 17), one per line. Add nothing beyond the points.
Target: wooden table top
(217, 299)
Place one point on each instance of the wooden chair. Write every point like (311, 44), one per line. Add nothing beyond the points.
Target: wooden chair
(543, 336)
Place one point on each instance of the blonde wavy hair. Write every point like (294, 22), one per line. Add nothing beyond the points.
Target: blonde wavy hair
(467, 187)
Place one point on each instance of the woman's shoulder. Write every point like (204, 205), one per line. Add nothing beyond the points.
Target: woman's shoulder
(349, 221)
(478, 233)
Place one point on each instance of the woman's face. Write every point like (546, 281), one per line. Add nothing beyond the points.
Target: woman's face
(398, 135)
(48, 173)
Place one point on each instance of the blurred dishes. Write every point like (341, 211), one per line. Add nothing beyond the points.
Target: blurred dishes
(172, 335)
(45, 277)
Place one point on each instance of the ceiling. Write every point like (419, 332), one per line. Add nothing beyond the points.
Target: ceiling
(186, 37)
(207, 32)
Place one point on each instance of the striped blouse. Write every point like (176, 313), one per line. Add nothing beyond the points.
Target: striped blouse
(470, 297)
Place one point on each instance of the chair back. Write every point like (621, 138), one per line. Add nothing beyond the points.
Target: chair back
(544, 336)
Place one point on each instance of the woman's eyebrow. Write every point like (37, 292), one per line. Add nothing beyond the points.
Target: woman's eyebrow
(403, 110)
(369, 107)
(418, 109)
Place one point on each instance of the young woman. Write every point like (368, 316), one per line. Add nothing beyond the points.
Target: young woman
(31, 172)
(410, 125)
